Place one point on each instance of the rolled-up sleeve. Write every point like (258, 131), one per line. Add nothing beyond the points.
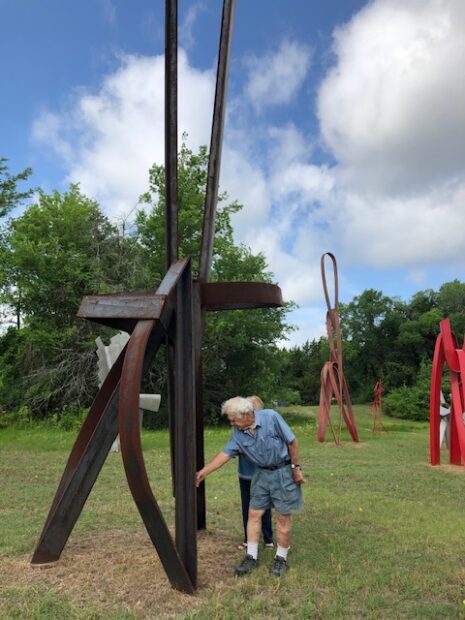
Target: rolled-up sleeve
(233, 448)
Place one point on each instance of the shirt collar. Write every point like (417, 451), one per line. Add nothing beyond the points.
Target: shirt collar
(249, 431)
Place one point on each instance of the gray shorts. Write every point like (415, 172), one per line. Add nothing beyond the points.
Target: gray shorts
(276, 489)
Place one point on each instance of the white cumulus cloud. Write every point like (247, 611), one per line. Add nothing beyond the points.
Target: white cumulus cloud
(392, 114)
(111, 138)
(276, 77)
(392, 109)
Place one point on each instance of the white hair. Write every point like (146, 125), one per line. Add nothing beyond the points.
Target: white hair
(237, 407)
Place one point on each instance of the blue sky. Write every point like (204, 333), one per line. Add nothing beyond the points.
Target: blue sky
(345, 126)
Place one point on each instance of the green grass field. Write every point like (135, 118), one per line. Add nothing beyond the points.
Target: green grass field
(381, 535)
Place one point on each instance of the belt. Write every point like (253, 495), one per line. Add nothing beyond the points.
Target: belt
(275, 467)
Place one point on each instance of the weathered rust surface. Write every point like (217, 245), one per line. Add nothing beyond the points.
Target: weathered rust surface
(148, 335)
(185, 427)
(333, 382)
(121, 387)
(216, 141)
(171, 133)
(121, 307)
(240, 295)
(376, 409)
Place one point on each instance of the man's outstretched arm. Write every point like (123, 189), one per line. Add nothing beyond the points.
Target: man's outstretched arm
(218, 461)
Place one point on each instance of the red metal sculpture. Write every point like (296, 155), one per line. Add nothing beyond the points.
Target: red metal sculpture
(376, 409)
(448, 353)
(173, 315)
(333, 382)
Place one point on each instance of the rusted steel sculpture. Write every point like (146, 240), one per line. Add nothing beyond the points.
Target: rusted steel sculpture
(333, 382)
(447, 353)
(173, 314)
(376, 409)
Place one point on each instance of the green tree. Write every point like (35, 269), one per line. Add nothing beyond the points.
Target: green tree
(451, 303)
(369, 325)
(60, 249)
(10, 196)
(240, 354)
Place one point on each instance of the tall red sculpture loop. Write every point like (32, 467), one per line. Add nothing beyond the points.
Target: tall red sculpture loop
(376, 409)
(448, 354)
(333, 383)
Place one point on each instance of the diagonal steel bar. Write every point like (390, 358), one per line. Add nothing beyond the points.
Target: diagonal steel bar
(59, 524)
(216, 141)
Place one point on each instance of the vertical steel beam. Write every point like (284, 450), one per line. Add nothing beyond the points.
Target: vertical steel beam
(185, 452)
(171, 131)
(199, 317)
(171, 184)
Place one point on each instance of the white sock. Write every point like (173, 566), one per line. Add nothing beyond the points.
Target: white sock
(282, 552)
(252, 549)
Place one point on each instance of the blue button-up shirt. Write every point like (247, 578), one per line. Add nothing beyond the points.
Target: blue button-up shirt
(265, 445)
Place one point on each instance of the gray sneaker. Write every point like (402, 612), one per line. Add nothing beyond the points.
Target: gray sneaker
(279, 566)
(246, 566)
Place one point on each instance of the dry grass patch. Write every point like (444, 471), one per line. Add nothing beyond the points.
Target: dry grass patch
(448, 469)
(121, 569)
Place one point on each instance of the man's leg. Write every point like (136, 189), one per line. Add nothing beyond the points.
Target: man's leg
(253, 534)
(283, 529)
(254, 525)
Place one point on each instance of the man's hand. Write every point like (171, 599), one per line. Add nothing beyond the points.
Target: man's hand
(199, 477)
(298, 476)
(220, 459)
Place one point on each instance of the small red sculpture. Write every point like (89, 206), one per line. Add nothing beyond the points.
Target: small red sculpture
(333, 382)
(448, 352)
(376, 410)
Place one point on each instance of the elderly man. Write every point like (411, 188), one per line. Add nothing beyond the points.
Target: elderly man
(267, 441)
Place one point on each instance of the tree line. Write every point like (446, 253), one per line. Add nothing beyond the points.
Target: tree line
(62, 247)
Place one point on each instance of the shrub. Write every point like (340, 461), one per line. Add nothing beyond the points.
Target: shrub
(411, 403)
(408, 403)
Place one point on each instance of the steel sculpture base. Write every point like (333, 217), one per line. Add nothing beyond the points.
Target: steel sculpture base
(447, 354)
(116, 408)
(333, 382)
(168, 312)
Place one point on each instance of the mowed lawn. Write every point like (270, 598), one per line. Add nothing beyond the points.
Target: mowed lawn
(382, 534)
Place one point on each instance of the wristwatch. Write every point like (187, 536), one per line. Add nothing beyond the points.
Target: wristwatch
(295, 466)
